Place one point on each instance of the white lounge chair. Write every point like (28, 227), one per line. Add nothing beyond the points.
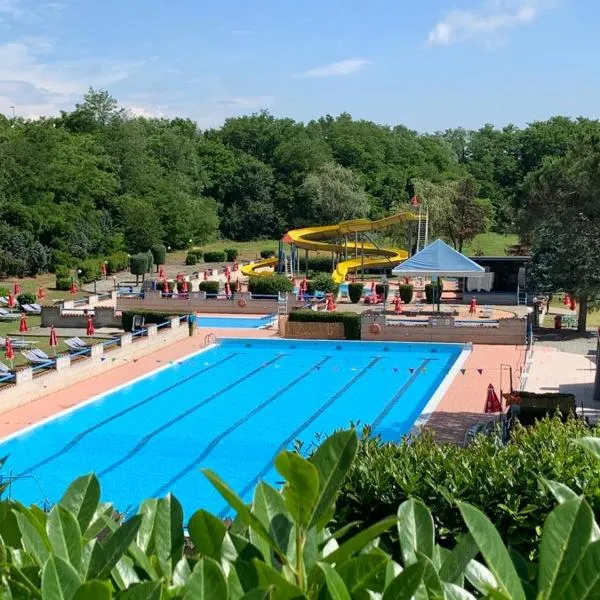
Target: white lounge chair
(3, 300)
(4, 369)
(30, 310)
(35, 359)
(17, 344)
(6, 315)
(41, 354)
(79, 342)
(36, 306)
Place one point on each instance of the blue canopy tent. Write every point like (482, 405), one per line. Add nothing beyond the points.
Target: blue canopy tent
(439, 260)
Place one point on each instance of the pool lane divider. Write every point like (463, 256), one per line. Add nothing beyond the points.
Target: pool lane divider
(294, 435)
(226, 432)
(186, 414)
(388, 407)
(119, 414)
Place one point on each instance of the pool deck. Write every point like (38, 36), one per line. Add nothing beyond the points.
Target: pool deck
(462, 405)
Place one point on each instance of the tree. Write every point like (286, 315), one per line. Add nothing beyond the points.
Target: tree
(562, 220)
(140, 223)
(333, 194)
(469, 214)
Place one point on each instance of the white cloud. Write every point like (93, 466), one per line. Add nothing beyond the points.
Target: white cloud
(248, 102)
(489, 19)
(149, 112)
(343, 67)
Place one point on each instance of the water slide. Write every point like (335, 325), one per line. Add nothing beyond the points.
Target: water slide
(345, 239)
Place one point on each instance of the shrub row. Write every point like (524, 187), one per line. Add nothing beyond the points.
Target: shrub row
(268, 253)
(350, 320)
(215, 257)
(149, 317)
(269, 286)
(210, 287)
(118, 261)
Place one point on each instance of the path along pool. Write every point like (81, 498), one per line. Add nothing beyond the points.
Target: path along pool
(230, 408)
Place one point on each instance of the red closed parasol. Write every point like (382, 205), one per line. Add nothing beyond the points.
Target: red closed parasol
(492, 402)
(566, 300)
(11, 300)
(397, 305)
(90, 330)
(473, 306)
(17, 288)
(161, 273)
(41, 293)
(74, 289)
(165, 287)
(53, 342)
(184, 287)
(330, 303)
(9, 351)
(23, 324)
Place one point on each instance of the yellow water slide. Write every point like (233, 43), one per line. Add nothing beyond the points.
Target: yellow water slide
(344, 238)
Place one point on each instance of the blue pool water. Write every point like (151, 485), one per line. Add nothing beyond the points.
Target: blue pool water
(231, 409)
(235, 322)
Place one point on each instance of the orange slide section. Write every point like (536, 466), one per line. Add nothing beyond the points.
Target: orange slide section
(344, 241)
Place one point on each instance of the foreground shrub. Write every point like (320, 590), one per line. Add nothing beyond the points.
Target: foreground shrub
(210, 287)
(149, 317)
(430, 289)
(270, 285)
(138, 264)
(117, 262)
(159, 254)
(268, 253)
(355, 292)
(24, 298)
(282, 546)
(191, 259)
(91, 270)
(231, 254)
(350, 320)
(214, 257)
(503, 481)
(382, 289)
(62, 283)
(322, 282)
(406, 293)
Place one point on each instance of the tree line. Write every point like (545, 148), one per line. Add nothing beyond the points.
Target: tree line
(96, 181)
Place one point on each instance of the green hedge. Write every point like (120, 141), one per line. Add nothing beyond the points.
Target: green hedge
(268, 253)
(323, 282)
(210, 287)
(25, 298)
(62, 283)
(269, 286)
(350, 320)
(191, 259)
(231, 254)
(429, 292)
(91, 270)
(159, 254)
(355, 291)
(198, 252)
(406, 293)
(150, 258)
(149, 317)
(138, 264)
(214, 257)
(382, 289)
(117, 262)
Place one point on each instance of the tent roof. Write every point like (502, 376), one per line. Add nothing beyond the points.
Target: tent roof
(439, 259)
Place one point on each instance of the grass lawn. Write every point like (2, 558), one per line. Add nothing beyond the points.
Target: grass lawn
(491, 244)
(593, 319)
(47, 281)
(11, 329)
(247, 250)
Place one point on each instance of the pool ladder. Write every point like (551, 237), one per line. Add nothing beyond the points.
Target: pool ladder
(209, 338)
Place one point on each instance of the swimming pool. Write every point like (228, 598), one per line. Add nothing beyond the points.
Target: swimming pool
(235, 322)
(230, 408)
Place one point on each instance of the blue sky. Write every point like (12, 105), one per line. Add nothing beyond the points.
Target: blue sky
(428, 64)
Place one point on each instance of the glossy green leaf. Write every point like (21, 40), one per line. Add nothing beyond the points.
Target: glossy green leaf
(207, 582)
(357, 542)
(480, 577)
(493, 550)
(565, 536)
(270, 508)
(364, 572)
(124, 573)
(94, 590)
(332, 459)
(60, 580)
(455, 562)
(65, 536)
(243, 512)
(585, 583)
(272, 580)
(454, 592)
(415, 530)
(150, 590)
(207, 533)
(431, 579)
(302, 485)
(334, 583)
(105, 556)
(591, 444)
(168, 534)
(144, 535)
(182, 572)
(103, 514)
(404, 586)
(81, 499)
(34, 541)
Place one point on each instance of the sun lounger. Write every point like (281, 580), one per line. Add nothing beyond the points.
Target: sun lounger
(17, 344)
(41, 354)
(5, 314)
(79, 342)
(3, 300)
(35, 359)
(36, 306)
(72, 345)
(29, 309)
(4, 369)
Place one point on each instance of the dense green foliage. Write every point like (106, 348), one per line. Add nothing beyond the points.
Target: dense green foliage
(215, 256)
(503, 481)
(159, 254)
(282, 545)
(149, 317)
(406, 293)
(138, 264)
(433, 292)
(350, 320)
(382, 289)
(231, 254)
(210, 287)
(269, 286)
(323, 282)
(191, 259)
(26, 298)
(355, 291)
(268, 253)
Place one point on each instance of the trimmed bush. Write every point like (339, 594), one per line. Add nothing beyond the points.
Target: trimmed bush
(355, 291)
(324, 283)
(62, 283)
(26, 298)
(138, 264)
(406, 293)
(382, 289)
(198, 253)
(268, 253)
(214, 257)
(210, 287)
(191, 259)
(150, 261)
(91, 270)
(117, 262)
(429, 292)
(159, 254)
(231, 254)
(269, 286)
(149, 317)
(350, 320)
